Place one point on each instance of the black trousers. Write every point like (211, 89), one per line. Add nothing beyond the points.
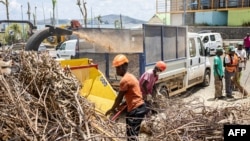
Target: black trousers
(133, 121)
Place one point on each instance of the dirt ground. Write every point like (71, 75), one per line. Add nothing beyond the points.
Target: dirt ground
(206, 94)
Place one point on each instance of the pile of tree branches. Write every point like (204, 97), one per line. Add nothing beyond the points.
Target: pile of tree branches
(40, 101)
(192, 120)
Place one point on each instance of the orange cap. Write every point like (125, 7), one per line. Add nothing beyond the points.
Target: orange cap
(119, 59)
(161, 65)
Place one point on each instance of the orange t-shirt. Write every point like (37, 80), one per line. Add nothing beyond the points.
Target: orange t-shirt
(133, 94)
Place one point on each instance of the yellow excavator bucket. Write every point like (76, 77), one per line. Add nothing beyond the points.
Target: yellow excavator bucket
(95, 88)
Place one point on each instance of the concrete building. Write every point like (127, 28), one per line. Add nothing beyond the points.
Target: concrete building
(204, 12)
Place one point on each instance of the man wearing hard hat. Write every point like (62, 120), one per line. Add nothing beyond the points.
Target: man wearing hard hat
(148, 78)
(130, 89)
(231, 64)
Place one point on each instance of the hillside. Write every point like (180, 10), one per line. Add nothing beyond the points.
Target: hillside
(107, 19)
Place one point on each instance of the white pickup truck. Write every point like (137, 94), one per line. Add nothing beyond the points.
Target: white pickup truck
(184, 53)
(68, 49)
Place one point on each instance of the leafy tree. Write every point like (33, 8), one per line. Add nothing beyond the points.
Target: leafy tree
(100, 21)
(6, 3)
(117, 24)
(13, 33)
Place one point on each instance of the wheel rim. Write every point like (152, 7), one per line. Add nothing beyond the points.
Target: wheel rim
(163, 91)
(207, 79)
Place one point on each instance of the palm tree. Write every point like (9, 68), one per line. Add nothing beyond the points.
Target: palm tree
(54, 5)
(99, 19)
(6, 3)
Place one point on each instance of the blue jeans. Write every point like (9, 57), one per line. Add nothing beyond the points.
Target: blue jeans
(228, 83)
(247, 51)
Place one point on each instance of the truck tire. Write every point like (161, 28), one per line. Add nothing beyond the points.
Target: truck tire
(206, 80)
(162, 90)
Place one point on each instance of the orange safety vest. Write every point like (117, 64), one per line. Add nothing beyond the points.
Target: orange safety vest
(234, 62)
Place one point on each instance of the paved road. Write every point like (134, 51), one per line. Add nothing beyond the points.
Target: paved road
(206, 94)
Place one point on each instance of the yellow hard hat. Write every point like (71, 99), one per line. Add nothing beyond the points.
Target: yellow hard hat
(119, 59)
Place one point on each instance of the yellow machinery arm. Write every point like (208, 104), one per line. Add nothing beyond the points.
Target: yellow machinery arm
(95, 88)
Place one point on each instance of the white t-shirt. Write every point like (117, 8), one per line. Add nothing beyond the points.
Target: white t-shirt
(242, 55)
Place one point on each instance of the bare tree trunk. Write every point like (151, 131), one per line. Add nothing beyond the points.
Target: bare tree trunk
(85, 13)
(7, 9)
(54, 5)
(28, 12)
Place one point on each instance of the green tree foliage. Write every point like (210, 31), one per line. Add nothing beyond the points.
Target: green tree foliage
(247, 23)
(99, 19)
(117, 24)
(13, 33)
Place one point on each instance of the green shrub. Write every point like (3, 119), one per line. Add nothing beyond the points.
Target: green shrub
(246, 23)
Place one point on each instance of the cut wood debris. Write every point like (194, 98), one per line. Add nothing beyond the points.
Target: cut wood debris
(40, 101)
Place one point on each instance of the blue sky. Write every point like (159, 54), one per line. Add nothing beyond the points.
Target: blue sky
(67, 9)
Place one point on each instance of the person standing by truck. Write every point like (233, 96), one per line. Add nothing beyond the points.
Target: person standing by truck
(148, 79)
(130, 89)
(241, 53)
(231, 63)
(218, 74)
(242, 59)
(147, 84)
(247, 45)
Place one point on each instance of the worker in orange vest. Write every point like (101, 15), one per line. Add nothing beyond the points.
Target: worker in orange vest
(241, 53)
(231, 64)
(130, 89)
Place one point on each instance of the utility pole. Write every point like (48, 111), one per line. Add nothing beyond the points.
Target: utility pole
(28, 12)
(43, 16)
(121, 20)
(165, 20)
(91, 19)
(22, 23)
(35, 17)
(184, 14)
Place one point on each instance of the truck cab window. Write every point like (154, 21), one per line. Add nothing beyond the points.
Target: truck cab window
(200, 47)
(192, 49)
(205, 39)
(212, 37)
(62, 47)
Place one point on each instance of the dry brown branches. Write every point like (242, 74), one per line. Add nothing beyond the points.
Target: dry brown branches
(40, 102)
